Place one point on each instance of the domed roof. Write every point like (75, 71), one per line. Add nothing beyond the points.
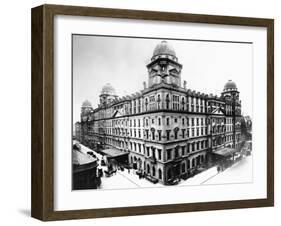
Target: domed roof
(164, 48)
(108, 90)
(86, 103)
(230, 85)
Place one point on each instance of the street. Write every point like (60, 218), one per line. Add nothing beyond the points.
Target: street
(122, 179)
(240, 172)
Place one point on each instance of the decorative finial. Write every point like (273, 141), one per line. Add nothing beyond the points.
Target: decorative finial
(144, 85)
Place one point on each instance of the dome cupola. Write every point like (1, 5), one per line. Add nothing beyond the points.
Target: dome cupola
(164, 67)
(164, 48)
(230, 86)
(108, 89)
(86, 104)
(108, 94)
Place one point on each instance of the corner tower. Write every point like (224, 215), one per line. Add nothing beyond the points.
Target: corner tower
(108, 94)
(164, 66)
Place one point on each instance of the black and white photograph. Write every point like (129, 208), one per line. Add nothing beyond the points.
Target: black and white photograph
(160, 112)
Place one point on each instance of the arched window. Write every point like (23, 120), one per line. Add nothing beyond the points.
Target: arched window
(139, 106)
(135, 106)
(160, 174)
(167, 101)
(153, 171)
(182, 103)
(193, 162)
(140, 163)
(158, 101)
(168, 121)
(176, 152)
(202, 158)
(148, 169)
(183, 168)
(188, 164)
(170, 173)
(176, 133)
(146, 104)
(159, 121)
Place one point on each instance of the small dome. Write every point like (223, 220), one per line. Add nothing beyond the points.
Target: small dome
(108, 90)
(164, 48)
(230, 85)
(86, 104)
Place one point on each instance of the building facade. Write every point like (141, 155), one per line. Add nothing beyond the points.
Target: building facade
(169, 130)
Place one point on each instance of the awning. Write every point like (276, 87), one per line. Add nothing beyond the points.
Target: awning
(113, 153)
(225, 151)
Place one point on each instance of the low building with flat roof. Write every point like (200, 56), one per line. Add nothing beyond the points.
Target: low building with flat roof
(84, 169)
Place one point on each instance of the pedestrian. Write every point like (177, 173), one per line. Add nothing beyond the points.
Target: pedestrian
(218, 169)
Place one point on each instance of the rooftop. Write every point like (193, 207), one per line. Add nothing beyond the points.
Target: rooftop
(80, 158)
(114, 152)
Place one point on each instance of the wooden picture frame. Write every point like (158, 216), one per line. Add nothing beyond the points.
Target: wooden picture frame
(43, 111)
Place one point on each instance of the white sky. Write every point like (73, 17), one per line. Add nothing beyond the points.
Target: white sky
(207, 66)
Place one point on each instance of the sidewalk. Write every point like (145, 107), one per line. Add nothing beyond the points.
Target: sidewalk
(122, 179)
(200, 178)
(240, 172)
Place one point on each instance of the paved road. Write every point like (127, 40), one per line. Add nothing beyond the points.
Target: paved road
(241, 172)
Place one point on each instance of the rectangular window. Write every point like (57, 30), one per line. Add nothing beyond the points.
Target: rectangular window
(152, 103)
(168, 121)
(159, 135)
(159, 154)
(176, 102)
(183, 133)
(169, 156)
(153, 153)
(183, 150)
(176, 134)
(168, 134)
(147, 151)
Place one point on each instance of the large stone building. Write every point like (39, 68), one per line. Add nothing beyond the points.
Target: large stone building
(168, 130)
